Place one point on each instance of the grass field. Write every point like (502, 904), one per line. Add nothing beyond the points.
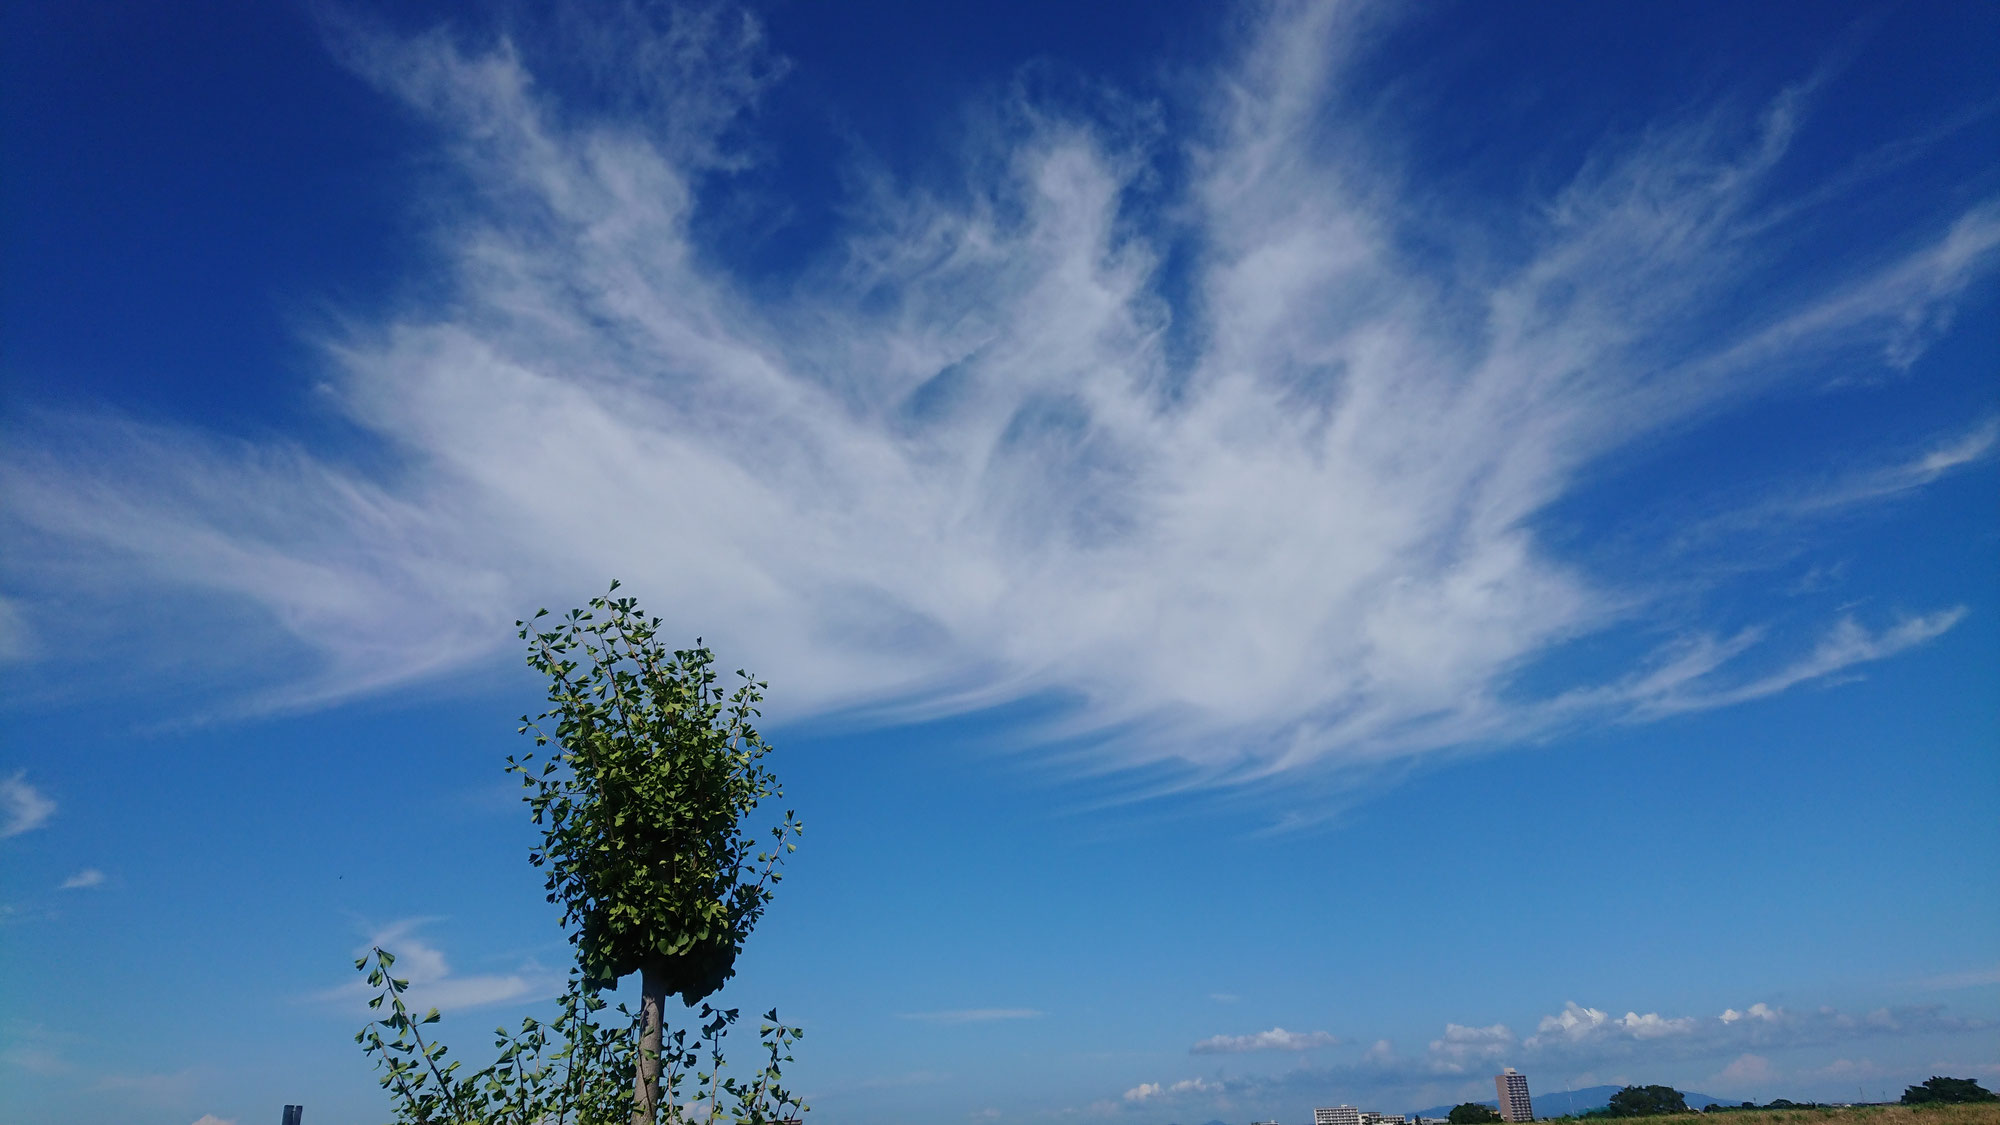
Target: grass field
(1985, 1113)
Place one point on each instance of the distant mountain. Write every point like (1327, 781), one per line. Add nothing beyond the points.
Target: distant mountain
(1569, 1103)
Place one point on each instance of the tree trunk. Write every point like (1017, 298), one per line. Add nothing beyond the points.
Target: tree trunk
(646, 1076)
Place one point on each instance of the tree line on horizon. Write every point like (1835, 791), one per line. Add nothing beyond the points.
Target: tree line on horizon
(1657, 1101)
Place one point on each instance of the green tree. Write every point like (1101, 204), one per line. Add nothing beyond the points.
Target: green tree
(1947, 1090)
(1472, 1113)
(1646, 1101)
(654, 771)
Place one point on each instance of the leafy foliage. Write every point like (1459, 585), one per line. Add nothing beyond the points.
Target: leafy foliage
(1947, 1090)
(643, 801)
(1472, 1113)
(572, 1068)
(1645, 1101)
(575, 1068)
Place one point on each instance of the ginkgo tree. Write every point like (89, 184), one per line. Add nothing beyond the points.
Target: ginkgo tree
(647, 773)
(655, 770)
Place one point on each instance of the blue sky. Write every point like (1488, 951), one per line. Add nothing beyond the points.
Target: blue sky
(1304, 553)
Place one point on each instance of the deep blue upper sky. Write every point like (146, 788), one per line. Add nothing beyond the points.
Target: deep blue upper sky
(1304, 553)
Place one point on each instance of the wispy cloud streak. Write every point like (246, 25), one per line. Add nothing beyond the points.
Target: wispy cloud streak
(959, 464)
(23, 808)
(974, 1015)
(433, 982)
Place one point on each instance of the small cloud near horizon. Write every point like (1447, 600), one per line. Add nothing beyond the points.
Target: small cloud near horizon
(1276, 1039)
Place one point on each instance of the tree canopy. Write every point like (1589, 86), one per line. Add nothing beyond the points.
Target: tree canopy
(1941, 1090)
(644, 805)
(644, 801)
(1646, 1101)
(1472, 1113)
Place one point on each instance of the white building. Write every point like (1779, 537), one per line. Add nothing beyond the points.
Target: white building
(1348, 1115)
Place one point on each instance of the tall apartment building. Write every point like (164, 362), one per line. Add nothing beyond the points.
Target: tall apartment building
(1338, 1115)
(1513, 1090)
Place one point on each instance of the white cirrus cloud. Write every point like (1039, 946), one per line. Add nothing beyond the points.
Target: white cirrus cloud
(1276, 1039)
(17, 640)
(23, 808)
(1970, 978)
(84, 879)
(973, 1015)
(981, 450)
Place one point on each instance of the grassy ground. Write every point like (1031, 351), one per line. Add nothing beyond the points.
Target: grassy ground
(1984, 1113)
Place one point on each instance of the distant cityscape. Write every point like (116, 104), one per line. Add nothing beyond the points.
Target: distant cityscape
(1512, 1105)
(1510, 1088)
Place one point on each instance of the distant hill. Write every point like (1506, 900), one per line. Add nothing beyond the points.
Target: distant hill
(1568, 1103)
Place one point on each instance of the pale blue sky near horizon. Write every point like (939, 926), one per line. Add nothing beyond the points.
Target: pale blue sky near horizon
(1304, 553)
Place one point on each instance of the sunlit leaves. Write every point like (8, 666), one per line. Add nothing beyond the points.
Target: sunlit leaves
(656, 767)
(643, 800)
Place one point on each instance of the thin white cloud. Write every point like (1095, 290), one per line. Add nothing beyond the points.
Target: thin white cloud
(973, 1015)
(1942, 456)
(433, 983)
(1576, 1023)
(959, 463)
(211, 1119)
(23, 808)
(1150, 1091)
(153, 1087)
(1845, 646)
(17, 640)
(1746, 1073)
(38, 1059)
(1758, 1012)
(1584, 1044)
(908, 1078)
(1695, 673)
(1585, 1033)
(84, 879)
(1461, 1046)
(1971, 978)
(1276, 1039)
